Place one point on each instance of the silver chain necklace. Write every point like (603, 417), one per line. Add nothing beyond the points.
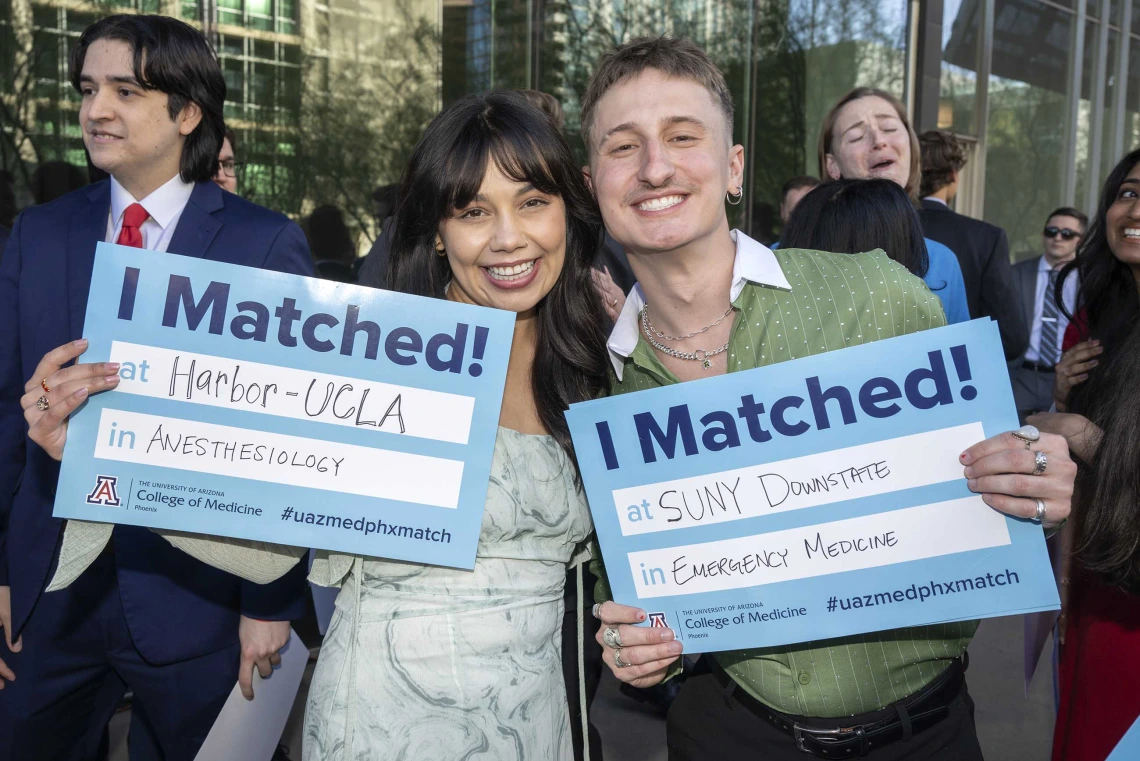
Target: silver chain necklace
(695, 333)
(699, 355)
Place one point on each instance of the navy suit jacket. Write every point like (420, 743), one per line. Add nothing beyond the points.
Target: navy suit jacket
(176, 607)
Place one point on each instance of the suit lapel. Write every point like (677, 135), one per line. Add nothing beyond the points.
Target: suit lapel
(84, 231)
(197, 226)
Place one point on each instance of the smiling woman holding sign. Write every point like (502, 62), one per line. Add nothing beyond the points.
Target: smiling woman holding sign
(424, 662)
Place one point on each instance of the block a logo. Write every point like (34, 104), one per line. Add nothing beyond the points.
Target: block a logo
(658, 620)
(105, 492)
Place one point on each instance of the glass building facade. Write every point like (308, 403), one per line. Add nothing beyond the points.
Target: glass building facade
(328, 97)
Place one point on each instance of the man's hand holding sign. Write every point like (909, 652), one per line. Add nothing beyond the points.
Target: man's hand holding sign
(779, 518)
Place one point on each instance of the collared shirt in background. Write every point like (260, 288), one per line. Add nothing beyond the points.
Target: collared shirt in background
(1069, 298)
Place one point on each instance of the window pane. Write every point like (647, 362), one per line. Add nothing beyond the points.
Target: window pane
(1027, 114)
(807, 57)
(961, 37)
(1084, 115)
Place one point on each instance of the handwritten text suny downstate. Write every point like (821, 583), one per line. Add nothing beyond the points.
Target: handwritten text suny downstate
(251, 320)
(922, 388)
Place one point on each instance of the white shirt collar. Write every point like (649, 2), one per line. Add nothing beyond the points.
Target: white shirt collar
(164, 204)
(754, 263)
(936, 199)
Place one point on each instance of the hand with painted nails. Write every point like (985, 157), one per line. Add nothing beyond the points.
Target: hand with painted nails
(638, 655)
(1073, 370)
(1007, 471)
(55, 391)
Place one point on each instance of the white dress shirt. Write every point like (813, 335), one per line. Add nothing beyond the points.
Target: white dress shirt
(164, 205)
(1033, 353)
(754, 263)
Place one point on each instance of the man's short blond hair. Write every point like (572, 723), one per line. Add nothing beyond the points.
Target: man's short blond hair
(678, 58)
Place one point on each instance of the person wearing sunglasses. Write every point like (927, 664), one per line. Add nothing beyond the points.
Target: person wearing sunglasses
(1036, 279)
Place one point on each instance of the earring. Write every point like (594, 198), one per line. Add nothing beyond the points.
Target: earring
(441, 250)
(734, 199)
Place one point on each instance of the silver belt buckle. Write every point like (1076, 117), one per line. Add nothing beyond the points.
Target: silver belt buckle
(798, 732)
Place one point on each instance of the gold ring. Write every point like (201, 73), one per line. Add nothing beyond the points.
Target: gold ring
(44, 386)
(42, 403)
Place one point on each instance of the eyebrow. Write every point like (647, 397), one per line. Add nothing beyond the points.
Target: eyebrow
(628, 126)
(482, 198)
(862, 122)
(126, 80)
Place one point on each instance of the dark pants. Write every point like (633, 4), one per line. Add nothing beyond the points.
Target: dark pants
(77, 662)
(592, 660)
(703, 725)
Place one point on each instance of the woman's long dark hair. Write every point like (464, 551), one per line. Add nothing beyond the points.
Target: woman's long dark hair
(853, 216)
(1108, 494)
(445, 173)
(1108, 531)
(1107, 292)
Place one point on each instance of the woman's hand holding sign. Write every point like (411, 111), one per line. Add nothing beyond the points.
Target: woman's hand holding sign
(638, 655)
(1024, 473)
(54, 392)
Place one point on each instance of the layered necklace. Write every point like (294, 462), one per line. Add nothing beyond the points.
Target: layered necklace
(655, 336)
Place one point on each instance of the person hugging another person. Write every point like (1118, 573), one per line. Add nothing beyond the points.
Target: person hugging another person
(866, 134)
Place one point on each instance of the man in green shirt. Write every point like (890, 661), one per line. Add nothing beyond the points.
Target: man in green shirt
(657, 119)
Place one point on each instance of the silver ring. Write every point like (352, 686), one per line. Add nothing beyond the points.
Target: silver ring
(1039, 516)
(1028, 434)
(611, 637)
(597, 607)
(618, 661)
(1040, 462)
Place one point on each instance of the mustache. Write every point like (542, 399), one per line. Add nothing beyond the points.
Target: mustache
(642, 191)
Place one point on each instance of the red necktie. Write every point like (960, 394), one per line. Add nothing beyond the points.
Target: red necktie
(133, 218)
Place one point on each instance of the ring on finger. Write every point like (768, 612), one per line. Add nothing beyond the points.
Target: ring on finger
(42, 404)
(1040, 462)
(612, 637)
(1027, 433)
(1039, 515)
(618, 661)
(44, 385)
(597, 607)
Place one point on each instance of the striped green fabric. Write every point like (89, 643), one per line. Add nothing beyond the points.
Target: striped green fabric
(837, 300)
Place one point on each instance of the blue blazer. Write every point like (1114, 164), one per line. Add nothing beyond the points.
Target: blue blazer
(176, 607)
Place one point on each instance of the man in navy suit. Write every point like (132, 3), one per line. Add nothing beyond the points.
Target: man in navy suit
(143, 615)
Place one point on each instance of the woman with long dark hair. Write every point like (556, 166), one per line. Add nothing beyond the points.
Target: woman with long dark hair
(428, 663)
(1100, 657)
(854, 216)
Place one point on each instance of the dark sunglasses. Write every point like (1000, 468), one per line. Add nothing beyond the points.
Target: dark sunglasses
(1064, 232)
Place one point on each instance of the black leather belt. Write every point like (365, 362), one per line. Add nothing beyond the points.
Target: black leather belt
(860, 734)
(1037, 367)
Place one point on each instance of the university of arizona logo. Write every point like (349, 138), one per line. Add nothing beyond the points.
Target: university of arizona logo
(105, 492)
(658, 620)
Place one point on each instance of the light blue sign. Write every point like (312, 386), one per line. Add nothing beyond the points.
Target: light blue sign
(812, 499)
(1128, 749)
(266, 406)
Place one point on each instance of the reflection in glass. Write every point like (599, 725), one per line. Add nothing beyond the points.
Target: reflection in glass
(1084, 115)
(961, 29)
(1027, 113)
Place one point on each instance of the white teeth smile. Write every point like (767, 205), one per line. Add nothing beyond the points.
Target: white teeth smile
(511, 273)
(657, 204)
(1132, 232)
